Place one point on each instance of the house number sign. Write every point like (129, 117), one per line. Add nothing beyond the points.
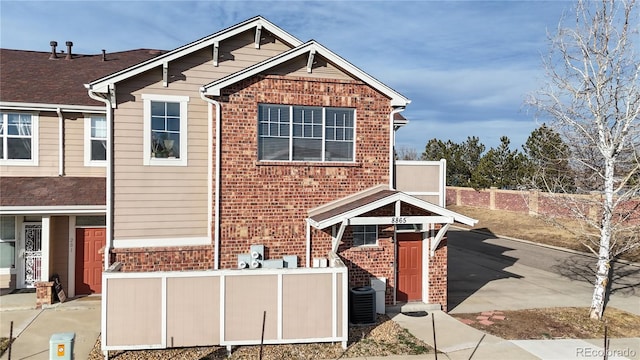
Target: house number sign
(398, 220)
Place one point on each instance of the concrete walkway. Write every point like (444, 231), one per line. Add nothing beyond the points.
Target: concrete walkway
(33, 328)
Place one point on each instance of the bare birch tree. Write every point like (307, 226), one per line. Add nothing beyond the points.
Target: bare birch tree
(592, 98)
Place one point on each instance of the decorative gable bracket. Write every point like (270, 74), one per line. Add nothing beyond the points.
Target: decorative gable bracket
(312, 54)
(258, 35)
(216, 50)
(437, 239)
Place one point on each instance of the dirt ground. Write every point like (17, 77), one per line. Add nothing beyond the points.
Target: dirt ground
(384, 338)
(553, 323)
(526, 227)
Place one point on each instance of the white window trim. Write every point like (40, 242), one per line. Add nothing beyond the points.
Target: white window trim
(366, 245)
(34, 142)
(87, 143)
(146, 143)
(324, 140)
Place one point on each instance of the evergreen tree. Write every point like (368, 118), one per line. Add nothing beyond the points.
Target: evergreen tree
(548, 158)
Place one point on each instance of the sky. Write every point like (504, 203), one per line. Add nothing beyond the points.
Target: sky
(467, 66)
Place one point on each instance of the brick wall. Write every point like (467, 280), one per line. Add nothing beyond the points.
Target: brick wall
(267, 202)
(438, 275)
(165, 258)
(540, 203)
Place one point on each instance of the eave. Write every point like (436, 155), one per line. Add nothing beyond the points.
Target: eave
(102, 85)
(312, 49)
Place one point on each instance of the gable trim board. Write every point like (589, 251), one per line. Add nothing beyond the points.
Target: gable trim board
(102, 85)
(312, 48)
(359, 206)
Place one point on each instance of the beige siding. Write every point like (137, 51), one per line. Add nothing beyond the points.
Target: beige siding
(47, 150)
(59, 250)
(134, 312)
(74, 150)
(300, 294)
(321, 69)
(171, 201)
(246, 299)
(7, 282)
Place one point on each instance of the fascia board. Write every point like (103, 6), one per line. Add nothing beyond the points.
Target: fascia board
(214, 88)
(391, 199)
(437, 209)
(101, 85)
(357, 211)
(63, 209)
(7, 105)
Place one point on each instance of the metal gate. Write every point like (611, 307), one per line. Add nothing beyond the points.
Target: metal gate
(32, 254)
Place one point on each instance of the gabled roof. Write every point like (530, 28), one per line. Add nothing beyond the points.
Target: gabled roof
(316, 49)
(358, 204)
(100, 85)
(30, 77)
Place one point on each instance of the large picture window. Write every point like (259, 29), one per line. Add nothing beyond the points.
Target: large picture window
(305, 133)
(165, 127)
(18, 132)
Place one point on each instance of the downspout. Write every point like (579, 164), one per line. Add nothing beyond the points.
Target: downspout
(392, 145)
(216, 208)
(109, 195)
(60, 142)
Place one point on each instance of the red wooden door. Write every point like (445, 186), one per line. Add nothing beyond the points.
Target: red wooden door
(409, 267)
(89, 260)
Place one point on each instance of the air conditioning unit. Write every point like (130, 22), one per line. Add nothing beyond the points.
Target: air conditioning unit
(362, 305)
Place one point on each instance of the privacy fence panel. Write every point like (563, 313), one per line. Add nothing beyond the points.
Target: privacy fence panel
(147, 310)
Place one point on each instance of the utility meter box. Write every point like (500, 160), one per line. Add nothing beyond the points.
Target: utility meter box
(380, 286)
(61, 346)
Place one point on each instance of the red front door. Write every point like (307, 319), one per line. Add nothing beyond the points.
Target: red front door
(89, 260)
(409, 267)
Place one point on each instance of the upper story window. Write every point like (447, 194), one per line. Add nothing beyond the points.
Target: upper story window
(365, 235)
(305, 133)
(19, 133)
(165, 130)
(95, 141)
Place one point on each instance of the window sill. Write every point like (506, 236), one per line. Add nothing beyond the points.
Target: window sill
(307, 163)
(368, 248)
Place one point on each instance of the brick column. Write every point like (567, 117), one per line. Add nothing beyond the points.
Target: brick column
(44, 293)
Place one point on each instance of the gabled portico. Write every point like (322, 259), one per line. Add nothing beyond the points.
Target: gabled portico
(417, 228)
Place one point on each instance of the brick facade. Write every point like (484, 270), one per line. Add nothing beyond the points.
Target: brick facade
(165, 258)
(267, 202)
(438, 275)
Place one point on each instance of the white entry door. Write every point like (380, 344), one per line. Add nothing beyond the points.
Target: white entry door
(32, 256)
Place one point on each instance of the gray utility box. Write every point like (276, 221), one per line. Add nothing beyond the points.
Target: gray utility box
(61, 346)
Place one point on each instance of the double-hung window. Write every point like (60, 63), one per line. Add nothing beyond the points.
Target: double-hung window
(19, 135)
(95, 141)
(305, 133)
(7, 242)
(364, 235)
(165, 130)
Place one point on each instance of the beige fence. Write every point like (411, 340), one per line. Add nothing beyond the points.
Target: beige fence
(156, 310)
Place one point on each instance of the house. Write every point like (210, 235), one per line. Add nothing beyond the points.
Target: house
(247, 137)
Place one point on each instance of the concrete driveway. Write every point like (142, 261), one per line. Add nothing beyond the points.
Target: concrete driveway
(489, 273)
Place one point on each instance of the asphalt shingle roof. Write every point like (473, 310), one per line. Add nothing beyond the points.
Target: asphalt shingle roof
(31, 77)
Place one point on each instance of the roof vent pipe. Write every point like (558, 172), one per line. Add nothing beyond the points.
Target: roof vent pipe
(69, 45)
(104, 55)
(53, 55)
